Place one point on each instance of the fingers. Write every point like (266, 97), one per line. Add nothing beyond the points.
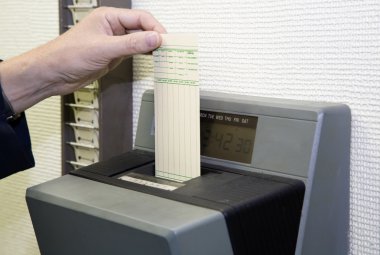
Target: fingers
(138, 19)
(135, 43)
(126, 19)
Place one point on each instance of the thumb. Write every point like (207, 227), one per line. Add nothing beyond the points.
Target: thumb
(135, 43)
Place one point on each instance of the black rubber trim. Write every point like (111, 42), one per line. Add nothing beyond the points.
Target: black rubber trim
(262, 212)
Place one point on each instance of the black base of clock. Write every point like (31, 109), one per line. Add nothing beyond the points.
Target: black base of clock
(259, 209)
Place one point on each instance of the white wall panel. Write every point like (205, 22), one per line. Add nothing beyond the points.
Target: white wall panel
(24, 25)
(314, 50)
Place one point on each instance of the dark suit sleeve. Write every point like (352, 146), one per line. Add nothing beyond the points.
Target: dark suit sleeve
(15, 147)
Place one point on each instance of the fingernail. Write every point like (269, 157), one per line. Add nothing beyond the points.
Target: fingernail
(152, 39)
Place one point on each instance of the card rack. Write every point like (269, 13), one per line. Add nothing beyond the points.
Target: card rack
(96, 119)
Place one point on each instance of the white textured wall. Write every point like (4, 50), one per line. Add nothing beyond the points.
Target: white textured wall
(315, 50)
(24, 25)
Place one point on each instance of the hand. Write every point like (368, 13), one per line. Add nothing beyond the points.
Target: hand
(83, 54)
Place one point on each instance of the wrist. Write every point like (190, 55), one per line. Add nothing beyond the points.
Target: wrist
(22, 82)
(7, 109)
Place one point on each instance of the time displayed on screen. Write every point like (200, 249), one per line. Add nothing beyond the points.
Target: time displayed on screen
(228, 136)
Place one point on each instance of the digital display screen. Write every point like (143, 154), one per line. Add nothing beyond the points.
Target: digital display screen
(228, 136)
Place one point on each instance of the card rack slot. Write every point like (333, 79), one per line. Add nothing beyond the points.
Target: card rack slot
(80, 9)
(85, 134)
(92, 3)
(86, 97)
(79, 12)
(76, 165)
(87, 115)
(85, 126)
(82, 120)
(93, 86)
(84, 153)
